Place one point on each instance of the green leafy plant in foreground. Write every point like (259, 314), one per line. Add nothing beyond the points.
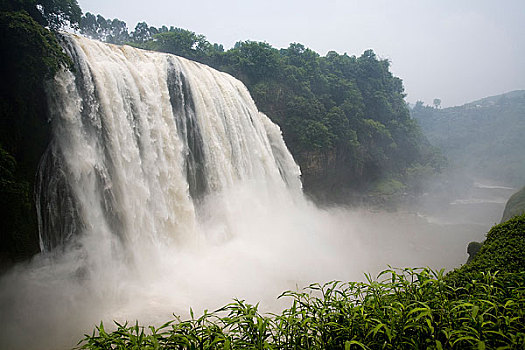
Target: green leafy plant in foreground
(401, 309)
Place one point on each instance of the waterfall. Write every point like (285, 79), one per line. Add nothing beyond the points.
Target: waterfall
(142, 142)
(163, 189)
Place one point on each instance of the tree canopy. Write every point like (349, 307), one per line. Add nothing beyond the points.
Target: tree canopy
(54, 14)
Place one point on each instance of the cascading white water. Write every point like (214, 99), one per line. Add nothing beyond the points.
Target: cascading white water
(159, 190)
(141, 139)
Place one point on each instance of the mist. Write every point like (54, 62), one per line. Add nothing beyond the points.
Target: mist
(246, 251)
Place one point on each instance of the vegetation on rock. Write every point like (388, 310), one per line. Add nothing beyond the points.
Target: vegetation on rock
(30, 55)
(501, 251)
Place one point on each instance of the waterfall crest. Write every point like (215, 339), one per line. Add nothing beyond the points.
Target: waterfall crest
(143, 140)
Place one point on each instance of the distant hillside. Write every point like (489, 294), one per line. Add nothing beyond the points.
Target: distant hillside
(484, 137)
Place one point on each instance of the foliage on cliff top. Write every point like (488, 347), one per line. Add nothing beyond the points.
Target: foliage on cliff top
(54, 14)
(30, 53)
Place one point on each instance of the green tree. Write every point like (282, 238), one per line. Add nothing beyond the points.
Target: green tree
(184, 43)
(142, 33)
(113, 31)
(54, 14)
(253, 61)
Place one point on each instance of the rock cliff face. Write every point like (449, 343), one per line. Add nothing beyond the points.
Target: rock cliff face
(318, 170)
(331, 177)
(316, 165)
(515, 205)
(30, 55)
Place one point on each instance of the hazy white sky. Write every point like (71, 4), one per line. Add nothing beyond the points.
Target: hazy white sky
(455, 50)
